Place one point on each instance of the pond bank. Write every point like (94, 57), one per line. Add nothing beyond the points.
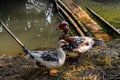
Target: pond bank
(98, 63)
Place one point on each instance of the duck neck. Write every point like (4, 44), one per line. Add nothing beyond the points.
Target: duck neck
(61, 53)
(66, 31)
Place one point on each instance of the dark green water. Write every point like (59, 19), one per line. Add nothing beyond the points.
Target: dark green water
(31, 22)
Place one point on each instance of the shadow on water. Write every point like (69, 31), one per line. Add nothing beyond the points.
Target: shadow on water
(33, 22)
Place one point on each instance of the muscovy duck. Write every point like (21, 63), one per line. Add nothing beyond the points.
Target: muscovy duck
(50, 59)
(46, 59)
(74, 45)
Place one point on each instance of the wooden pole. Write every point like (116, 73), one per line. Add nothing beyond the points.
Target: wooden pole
(69, 28)
(26, 51)
(107, 23)
(13, 36)
(82, 27)
(71, 20)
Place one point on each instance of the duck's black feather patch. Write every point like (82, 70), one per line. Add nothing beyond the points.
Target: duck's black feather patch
(50, 57)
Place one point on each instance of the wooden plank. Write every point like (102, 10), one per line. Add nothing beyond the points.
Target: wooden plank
(87, 21)
(107, 23)
(80, 25)
(72, 22)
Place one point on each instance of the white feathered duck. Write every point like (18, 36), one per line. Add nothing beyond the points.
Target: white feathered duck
(75, 45)
(50, 59)
(46, 59)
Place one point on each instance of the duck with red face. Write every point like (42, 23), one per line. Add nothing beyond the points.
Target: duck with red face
(64, 26)
(76, 45)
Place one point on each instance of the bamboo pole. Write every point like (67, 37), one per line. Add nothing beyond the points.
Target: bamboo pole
(82, 27)
(71, 20)
(69, 28)
(109, 25)
(11, 34)
(90, 24)
(26, 51)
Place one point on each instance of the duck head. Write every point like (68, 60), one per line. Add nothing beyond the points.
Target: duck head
(63, 25)
(62, 42)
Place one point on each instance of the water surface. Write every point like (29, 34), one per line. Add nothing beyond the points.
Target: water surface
(33, 22)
